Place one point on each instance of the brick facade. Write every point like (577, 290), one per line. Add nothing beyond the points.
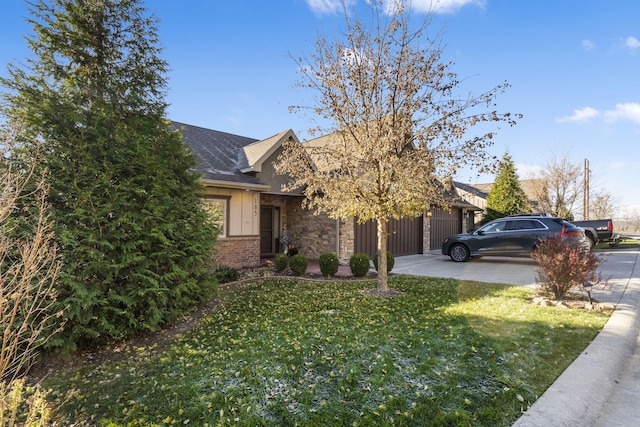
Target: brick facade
(237, 252)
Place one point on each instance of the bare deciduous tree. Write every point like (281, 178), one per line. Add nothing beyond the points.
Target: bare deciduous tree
(629, 222)
(558, 187)
(602, 205)
(399, 123)
(28, 265)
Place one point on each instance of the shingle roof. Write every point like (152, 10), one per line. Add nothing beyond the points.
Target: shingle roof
(220, 155)
(471, 189)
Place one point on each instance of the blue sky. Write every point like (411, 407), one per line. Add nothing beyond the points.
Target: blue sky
(573, 66)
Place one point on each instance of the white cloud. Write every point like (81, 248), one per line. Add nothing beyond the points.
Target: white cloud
(629, 111)
(588, 44)
(443, 6)
(626, 111)
(632, 43)
(329, 7)
(581, 115)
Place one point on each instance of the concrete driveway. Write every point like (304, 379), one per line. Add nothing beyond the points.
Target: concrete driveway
(514, 271)
(602, 386)
(617, 267)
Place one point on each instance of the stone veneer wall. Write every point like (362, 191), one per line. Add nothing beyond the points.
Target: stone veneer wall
(347, 240)
(311, 234)
(426, 233)
(237, 252)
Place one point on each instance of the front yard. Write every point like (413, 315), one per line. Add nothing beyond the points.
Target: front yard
(286, 352)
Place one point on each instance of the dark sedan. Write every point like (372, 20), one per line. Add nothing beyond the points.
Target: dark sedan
(514, 236)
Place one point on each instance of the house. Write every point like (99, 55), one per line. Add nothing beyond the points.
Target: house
(243, 189)
(477, 194)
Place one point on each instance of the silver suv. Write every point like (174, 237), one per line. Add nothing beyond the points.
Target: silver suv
(515, 235)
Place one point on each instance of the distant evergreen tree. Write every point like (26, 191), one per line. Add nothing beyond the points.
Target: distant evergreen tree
(506, 196)
(136, 242)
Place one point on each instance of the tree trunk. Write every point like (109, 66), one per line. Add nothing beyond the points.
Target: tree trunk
(382, 255)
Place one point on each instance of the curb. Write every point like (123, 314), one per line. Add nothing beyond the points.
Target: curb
(579, 395)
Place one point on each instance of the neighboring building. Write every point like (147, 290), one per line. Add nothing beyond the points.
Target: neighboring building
(242, 187)
(474, 194)
(477, 194)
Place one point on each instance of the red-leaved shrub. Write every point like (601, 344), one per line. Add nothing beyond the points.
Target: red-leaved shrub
(563, 267)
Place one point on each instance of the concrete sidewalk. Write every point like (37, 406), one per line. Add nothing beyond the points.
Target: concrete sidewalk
(602, 386)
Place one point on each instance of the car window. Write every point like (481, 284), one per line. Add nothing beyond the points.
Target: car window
(538, 225)
(495, 227)
(524, 224)
(516, 225)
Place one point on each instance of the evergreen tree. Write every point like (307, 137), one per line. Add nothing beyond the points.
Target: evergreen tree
(506, 196)
(135, 240)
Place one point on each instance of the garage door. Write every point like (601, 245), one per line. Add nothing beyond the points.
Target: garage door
(405, 237)
(444, 223)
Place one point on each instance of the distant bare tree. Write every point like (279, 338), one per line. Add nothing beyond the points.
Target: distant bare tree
(602, 205)
(630, 221)
(559, 186)
(399, 124)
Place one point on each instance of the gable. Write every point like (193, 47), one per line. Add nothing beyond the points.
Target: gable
(253, 156)
(276, 181)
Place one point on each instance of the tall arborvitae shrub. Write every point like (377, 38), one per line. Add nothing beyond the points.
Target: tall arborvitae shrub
(506, 196)
(134, 238)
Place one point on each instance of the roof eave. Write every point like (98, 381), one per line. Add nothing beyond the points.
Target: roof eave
(235, 185)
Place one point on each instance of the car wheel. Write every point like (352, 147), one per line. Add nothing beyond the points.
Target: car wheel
(459, 253)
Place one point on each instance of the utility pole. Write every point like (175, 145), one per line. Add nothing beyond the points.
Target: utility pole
(585, 186)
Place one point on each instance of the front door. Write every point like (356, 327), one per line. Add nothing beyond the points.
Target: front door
(267, 235)
(269, 230)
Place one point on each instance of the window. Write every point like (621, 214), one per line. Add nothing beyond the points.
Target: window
(519, 225)
(525, 224)
(495, 226)
(217, 210)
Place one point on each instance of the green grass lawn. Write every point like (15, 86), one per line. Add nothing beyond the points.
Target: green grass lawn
(282, 352)
(625, 243)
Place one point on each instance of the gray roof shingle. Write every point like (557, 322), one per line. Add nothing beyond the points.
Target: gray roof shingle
(220, 155)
